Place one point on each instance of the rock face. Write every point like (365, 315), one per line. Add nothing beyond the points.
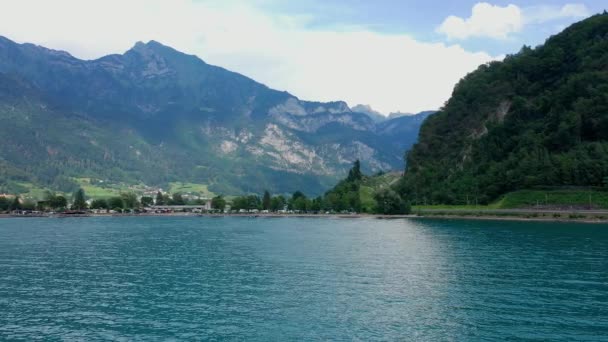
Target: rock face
(156, 115)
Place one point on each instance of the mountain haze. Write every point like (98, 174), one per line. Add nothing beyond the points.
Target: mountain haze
(154, 115)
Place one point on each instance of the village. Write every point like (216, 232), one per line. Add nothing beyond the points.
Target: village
(163, 204)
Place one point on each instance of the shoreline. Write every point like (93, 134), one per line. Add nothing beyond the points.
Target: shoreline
(244, 215)
(479, 216)
(515, 219)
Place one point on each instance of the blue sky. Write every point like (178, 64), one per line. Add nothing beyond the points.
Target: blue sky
(421, 18)
(393, 55)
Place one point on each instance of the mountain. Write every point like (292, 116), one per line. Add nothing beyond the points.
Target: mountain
(154, 116)
(369, 111)
(401, 132)
(396, 115)
(380, 118)
(539, 118)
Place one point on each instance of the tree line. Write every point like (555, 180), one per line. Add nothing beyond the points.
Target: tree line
(344, 197)
(122, 202)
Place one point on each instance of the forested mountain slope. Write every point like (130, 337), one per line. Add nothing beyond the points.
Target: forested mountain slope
(154, 115)
(539, 118)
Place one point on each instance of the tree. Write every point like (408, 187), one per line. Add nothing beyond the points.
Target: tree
(99, 204)
(246, 202)
(16, 204)
(352, 201)
(218, 203)
(317, 204)
(58, 202)
(388, 202)
(239, 203)
(332, 201)
(80, 202)
(4, 204)
(147, 201)
(54, 201)
(160, 199)
(297, 201)
(266, 201)
(345, 196)
(116, 203)
(297, 194)
(277, 203)
(254, 202)
(177, 199)
(130, 200)
(606, 182)
(355, 173)
(300, 204)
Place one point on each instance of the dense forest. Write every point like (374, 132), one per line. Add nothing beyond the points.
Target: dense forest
(537, 119)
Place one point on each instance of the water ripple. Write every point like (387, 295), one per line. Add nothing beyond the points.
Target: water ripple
(288, 279)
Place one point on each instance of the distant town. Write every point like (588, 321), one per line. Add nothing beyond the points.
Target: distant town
(344, 198)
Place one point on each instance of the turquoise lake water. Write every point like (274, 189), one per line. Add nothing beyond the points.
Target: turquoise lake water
(290, 279)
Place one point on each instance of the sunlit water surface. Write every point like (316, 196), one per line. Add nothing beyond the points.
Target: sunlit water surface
(285, 279)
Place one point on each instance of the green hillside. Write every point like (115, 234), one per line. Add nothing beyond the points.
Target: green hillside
(372, 185)
(154, 117)
(538, 118)
(368, 194)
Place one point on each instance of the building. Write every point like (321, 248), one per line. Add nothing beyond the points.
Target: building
(196, 208)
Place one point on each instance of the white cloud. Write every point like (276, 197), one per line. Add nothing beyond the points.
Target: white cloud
(485, 21)
(542, 14)
(390, 72)
(498, 22)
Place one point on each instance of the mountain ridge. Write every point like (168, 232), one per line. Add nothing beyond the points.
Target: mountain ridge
(182, 117)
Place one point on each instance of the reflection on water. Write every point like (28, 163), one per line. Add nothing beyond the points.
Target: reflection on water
(305, 279)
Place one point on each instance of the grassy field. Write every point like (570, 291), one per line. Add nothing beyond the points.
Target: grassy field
(98, 192)
(538, 198)
(457, 207)
(190, 188)
(574, 197)
(94, 190)
(33, 192)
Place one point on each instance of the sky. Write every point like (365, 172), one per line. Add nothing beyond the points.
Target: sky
(394, 55)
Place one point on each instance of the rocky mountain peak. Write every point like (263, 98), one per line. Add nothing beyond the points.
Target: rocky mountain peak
(196, 122)
(369, 111)
(149, 58)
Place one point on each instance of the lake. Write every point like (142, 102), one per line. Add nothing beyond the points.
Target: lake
(286, 279)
